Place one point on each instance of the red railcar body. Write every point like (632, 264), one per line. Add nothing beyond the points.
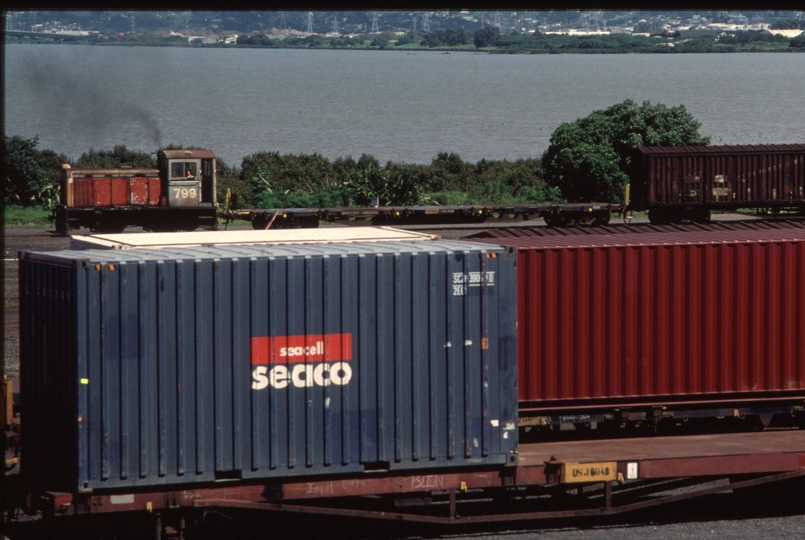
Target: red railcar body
(671, 178)
(660, 318)
(111, 187)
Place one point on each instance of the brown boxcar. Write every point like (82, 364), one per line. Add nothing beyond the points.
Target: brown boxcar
(674, 182)
(685, 320)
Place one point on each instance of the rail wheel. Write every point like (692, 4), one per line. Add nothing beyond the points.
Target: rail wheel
(188, 224)
(259, 223)
(701, 215)
(107, 228)
(658, 216)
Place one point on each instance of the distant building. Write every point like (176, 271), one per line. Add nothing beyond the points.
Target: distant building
(786, 33)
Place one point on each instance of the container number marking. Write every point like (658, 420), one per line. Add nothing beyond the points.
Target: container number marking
(462, 281)
(589, 472)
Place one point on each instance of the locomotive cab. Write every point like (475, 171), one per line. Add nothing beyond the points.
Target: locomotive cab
(188, 177)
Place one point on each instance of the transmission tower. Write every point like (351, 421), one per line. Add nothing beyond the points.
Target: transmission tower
(309, 22)
(426, 22)
(584, 21)
(335, 25)
(283, 24)
(375, 29)
(131, 21)
(496, 24)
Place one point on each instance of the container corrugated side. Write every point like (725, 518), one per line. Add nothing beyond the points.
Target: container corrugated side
(176, 366)
(696, 317)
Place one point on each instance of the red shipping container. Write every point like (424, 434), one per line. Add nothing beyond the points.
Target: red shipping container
(660, 317)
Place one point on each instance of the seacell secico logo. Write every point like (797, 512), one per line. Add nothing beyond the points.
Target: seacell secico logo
(301, 361)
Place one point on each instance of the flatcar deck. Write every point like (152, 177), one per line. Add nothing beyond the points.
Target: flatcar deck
(553, 479)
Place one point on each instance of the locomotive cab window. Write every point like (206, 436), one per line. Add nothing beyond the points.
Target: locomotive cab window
(184, 170)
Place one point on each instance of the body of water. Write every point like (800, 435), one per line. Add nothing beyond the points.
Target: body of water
(395, 105)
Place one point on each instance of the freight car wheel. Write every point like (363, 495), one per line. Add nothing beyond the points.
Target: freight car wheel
(658, 216)
(701, 215)
(259, 223)
(108, 228)
(188, 224)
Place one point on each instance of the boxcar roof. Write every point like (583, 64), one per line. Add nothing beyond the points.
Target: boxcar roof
(723, 149)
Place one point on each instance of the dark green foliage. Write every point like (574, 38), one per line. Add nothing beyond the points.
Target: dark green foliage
(229, 179)
(119, 156)
(259, 40)
(392, 188)
(31, 175)
(590, 159)
(486, 37)
(305, 172)
(449, 37)
(380, 42)
(406, 39)
(271, 180)
(750, 36)
(798, 42)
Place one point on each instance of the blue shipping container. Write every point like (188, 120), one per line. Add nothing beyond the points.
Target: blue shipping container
(149, 367)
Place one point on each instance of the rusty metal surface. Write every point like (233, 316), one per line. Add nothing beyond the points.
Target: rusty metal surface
(704, 456)
(654, 448)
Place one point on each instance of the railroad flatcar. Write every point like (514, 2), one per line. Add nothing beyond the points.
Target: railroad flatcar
(178, 195)
(676, 183)
(361, 378)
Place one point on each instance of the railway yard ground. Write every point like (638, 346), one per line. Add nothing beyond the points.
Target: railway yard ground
(767, 511)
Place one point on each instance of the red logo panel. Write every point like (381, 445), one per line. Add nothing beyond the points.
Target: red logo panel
(302, 348)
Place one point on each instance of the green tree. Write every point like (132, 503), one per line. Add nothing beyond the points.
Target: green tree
(798, 42)
(32, 176)
(229, 179)
(486, 37)
(590, 159)
(392, 188)
(119, 156)
(406, 39)
(380, 42)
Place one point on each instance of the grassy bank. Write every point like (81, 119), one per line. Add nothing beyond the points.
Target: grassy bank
(33, 217)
